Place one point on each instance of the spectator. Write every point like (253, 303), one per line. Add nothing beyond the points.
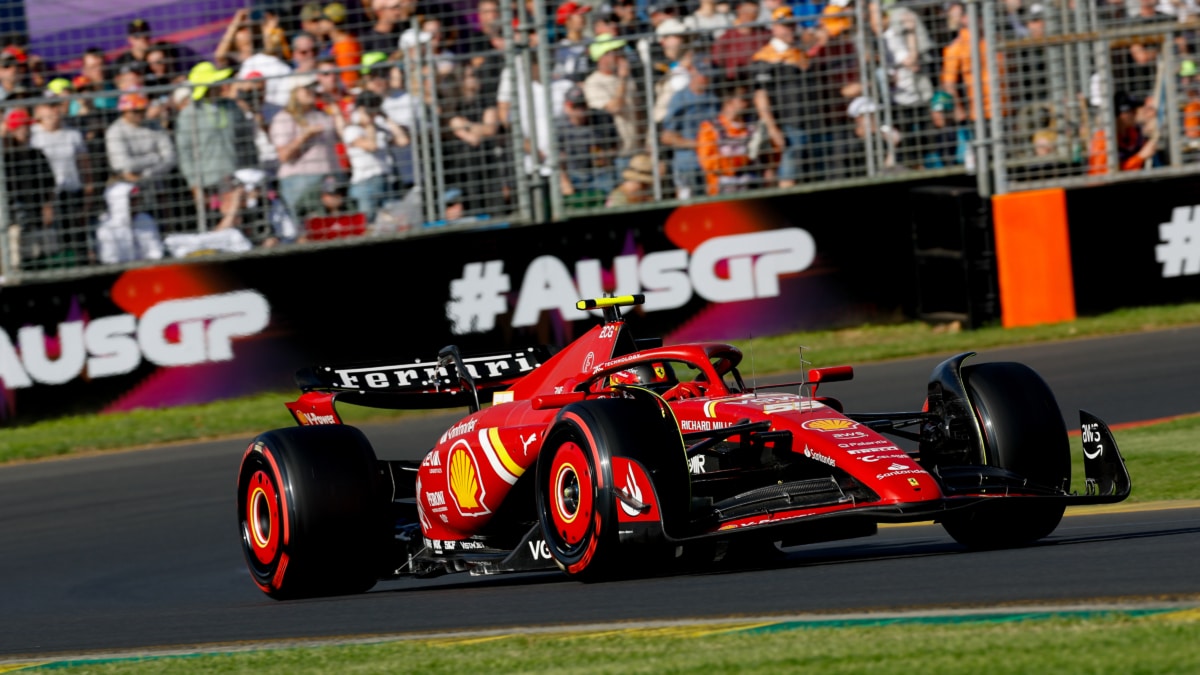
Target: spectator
(471, 153)
(305, 139)
(241, 40)
(734, 50)
(907, 44)
(29, 185)
(587, 145)
(430, 44)
(782, 83)
(681, 128)
(477, 39)
(213, 138)
(707, 24)
(66, 152)
(330, 90)
(138, 151)
(571, 52)
(248, 209)
(271, 68)
(250, 96)
(129, 76)
(161, 61)
(956, 73)
(274, 35)
(611, 88)
(868, 129)
(304, 65)
(384, 35)
(343, 46)
(724, 146)
(674, 66)
(138, 41)
(369, 138)
(1134, 147)
(312, 22)
(637, 183)
(127, 231)
(941, 142)
(629, 24)
(537, 118)
(324, 199)
(12, 74)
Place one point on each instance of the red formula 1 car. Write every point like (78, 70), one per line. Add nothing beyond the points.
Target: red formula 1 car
(615, 452)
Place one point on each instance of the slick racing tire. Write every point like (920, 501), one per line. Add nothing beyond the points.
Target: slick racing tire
(1023, 433)
(311, 514)
(576, 505)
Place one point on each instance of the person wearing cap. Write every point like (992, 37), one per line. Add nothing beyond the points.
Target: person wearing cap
(369, 139)
(138, 42)
(571, 53)
(343, 45)
(686, 110)
(610, 87)
(326, 198)
(67, 154)
(784, 79)
(431, 43)
(734, 50)
(587, 148)
(12, 72)
(724, 146)
(637, 183)
(213, 137)
(29, 186)
(672, 62)
(137, 151)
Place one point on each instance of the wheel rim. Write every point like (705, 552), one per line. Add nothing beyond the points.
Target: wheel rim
(571, 494)
(261, 518)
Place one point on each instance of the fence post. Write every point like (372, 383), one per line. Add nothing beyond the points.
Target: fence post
(652, 129)
(10, 233)
(880, 83)
(1168, 105)
(515, 134)
(979, 128)
(995, 103)
(545, 75)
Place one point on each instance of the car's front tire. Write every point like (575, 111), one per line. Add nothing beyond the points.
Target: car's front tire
(311, 516)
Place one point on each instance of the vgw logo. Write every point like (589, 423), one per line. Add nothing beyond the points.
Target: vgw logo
(115, 345)
(752, 265)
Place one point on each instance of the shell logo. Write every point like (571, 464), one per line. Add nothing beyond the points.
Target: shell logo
(465, 485)
(830, 424)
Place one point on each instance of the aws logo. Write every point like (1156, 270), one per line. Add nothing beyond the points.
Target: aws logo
(466, 485)
(828, 424)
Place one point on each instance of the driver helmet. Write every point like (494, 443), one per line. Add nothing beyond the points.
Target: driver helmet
(643, 373)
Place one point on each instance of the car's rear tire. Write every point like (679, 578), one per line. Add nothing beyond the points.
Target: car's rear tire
(576, 506)
(1023, 433)
(311, 514)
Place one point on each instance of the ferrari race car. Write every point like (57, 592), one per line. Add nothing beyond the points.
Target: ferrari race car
(615, 452)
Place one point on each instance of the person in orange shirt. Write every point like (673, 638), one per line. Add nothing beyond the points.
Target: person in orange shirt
(956, 70)
(724, 146)
(343, 46)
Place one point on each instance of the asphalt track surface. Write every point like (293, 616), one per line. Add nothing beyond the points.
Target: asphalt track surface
(139, 550)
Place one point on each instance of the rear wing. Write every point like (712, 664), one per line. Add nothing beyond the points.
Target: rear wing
(449, 381)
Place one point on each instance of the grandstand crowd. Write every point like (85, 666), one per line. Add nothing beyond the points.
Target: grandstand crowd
(311, 121)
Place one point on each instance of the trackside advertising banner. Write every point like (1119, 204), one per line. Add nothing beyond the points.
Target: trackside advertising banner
(200, 331)
(1135, 244)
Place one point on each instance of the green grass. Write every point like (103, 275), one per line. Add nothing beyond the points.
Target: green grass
(247, 416)
(1117, 644)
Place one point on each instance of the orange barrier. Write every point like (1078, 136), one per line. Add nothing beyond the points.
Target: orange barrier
(1033, 257)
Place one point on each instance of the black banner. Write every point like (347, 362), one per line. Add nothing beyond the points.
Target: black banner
(198, 331)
